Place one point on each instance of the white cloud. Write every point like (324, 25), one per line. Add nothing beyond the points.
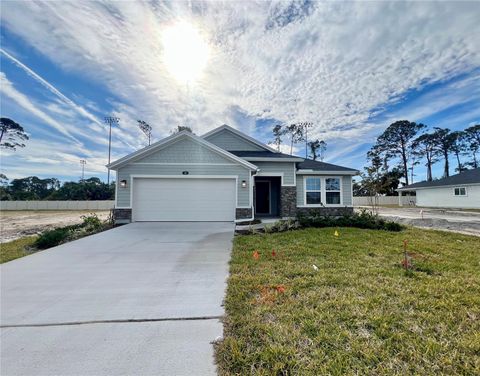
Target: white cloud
(22, 100)
(83, 112)
(333, 63)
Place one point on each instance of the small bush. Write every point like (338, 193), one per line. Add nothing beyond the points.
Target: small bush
(91, 222)
(52, 238)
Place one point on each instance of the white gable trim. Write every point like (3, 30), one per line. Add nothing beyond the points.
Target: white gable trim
(240, 134)
(162, 144)
(326, 172)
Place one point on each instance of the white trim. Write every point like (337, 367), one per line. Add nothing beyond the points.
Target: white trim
(295, 174)
(185, 177)
(341, 190)
(269, 159)
(116, 189)
(460, 187)
(323, 192)
(316, 172)
(183, 164)
(437, 186)
(238, 133)
(276, 174)
(305, 192)
(175, 138)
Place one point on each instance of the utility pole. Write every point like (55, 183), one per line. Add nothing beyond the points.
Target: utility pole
(83, 162)
(110, 120)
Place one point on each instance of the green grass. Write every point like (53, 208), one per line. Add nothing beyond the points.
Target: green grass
(360, 313)
(17, 248)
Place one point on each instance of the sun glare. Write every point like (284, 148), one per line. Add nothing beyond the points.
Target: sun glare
(185, 52)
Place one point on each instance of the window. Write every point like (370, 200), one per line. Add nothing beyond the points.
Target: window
(460, 191)
(332, 191)
(313, 191)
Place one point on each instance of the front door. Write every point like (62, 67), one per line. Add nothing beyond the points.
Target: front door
(262, 197)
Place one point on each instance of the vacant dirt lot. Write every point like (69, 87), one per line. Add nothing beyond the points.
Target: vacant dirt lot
(16, 224)
(465, 222)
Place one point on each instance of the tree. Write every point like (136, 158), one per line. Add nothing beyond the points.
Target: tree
(317, 149)
(443, 143)
(12, 134)
(295, 133)
(424, 147)
(459, 147)
(32, 188)
(181, 128)
(278, 133)
(4, 194)
(145, 128)
(396, 142)
(303, 129)
(472, 135)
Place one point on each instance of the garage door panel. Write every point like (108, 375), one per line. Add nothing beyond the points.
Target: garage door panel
(187, 199)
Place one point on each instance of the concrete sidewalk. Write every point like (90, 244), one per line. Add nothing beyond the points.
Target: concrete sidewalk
(144, 298)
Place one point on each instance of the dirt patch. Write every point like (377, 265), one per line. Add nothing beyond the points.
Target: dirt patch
(464, 222)
(17, 224)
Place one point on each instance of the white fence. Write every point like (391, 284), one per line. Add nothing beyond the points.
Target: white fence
(384, 200)
(57, 205)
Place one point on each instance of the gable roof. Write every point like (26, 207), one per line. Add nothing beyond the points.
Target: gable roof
(465, 177)
(317, 166)
(266, 155)
(159, 145)
(240, 134)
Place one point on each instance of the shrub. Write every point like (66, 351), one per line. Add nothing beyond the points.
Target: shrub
(51, 238)
(91, 222)
(364, 219)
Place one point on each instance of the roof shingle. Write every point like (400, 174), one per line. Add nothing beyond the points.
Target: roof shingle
(465, 177)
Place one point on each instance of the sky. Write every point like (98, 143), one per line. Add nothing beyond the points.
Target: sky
(350, 68)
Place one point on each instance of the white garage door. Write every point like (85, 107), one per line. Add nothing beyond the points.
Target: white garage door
(187, 199)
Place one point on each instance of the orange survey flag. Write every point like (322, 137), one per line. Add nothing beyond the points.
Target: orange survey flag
(256, 255)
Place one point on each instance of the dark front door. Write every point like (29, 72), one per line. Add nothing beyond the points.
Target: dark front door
(262, 197)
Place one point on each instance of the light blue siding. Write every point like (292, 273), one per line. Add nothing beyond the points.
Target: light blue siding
(346, 190)
(185, 151)
(184, 155)
(287, 168)
(232, 142)
(300, 190)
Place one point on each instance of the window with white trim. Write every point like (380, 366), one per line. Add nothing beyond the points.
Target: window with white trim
(332, 191)
(460, 191)
(313, 192)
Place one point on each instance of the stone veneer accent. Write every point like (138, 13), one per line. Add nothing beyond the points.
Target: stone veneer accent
(243, 213)
(122, 215)
(288, 201)
(327, 211)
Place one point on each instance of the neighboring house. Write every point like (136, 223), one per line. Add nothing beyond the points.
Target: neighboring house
(457, 191)
(224, 175)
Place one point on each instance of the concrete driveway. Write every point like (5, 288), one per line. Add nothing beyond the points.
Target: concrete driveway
(141, 299)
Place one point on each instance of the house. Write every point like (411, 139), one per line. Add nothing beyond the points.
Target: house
(457, 191)
(225, 175)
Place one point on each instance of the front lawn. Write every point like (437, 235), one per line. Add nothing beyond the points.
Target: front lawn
(359, 313)
(17, 248)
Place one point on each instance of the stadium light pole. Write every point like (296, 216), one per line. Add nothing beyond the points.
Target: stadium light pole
(83, 162)
(110, 120)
